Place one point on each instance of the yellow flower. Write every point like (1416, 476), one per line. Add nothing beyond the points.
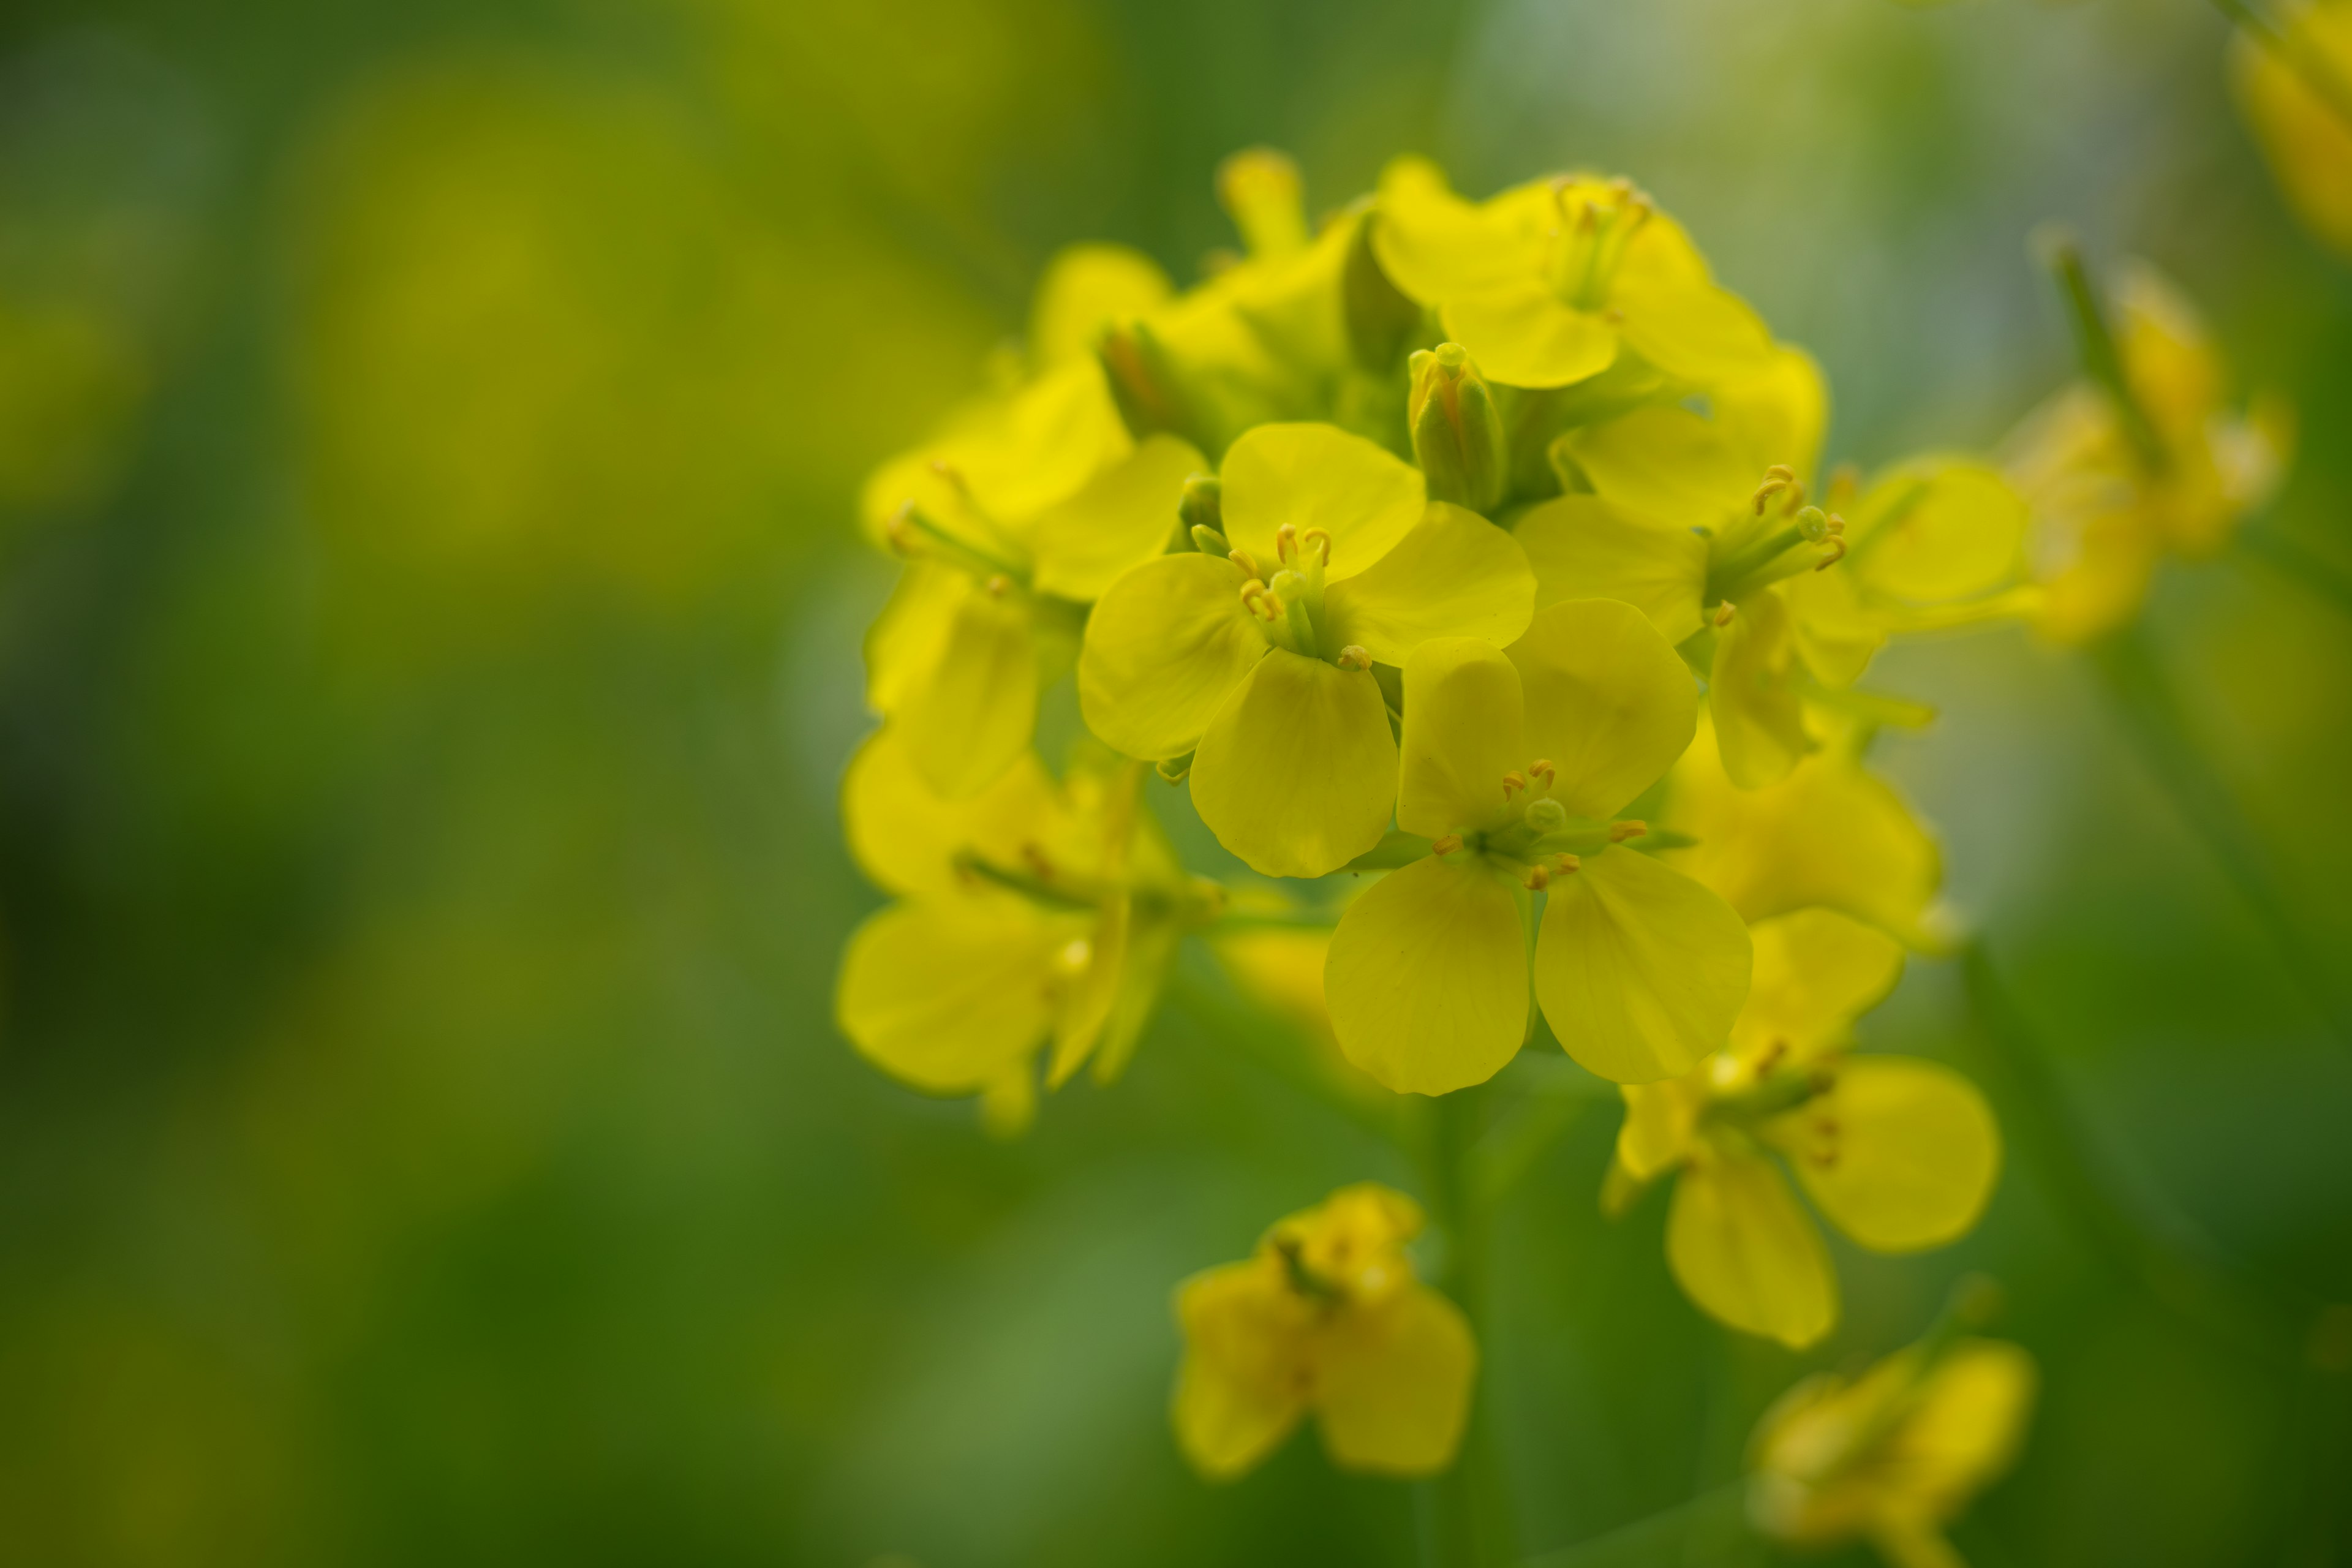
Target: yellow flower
(1831, 835)
(1899, 1153)
(2304, 131)
(1260, 663)
(1514, 764)
(1027, 505)
(1893, 1455)
(1032, 913)
(1549, 282)
(2117, 483)
(1703, 522)
(1326, 1316)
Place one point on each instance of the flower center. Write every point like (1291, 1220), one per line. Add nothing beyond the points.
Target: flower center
(1781, 537)
(1588, 238)
(1533, 836)
(1289, 607)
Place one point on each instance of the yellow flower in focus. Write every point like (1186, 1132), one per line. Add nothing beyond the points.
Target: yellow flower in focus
(1547, 283)
(2116, 480)
(2304, 131)
(1032, 914)
(1259, 662)
(1831, 835)
(1899, 1153)
(1515, 763)
(1326, 1316)
(1893, 1455)
(1029, 504)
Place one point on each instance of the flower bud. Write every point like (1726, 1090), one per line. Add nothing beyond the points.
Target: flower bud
(1143, 381)
(1202, 508)
(1457, 432)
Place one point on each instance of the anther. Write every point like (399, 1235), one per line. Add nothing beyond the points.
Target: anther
(899, 527)
(1286, 542)
(998, 585)
(1259, 601)
(1777, 478)
(1076, 956)
(1354, 656)
(1541, 768)
(1722, 616)
(1445, 844)
(1320, 538)
(1630, 828)
(1837, 546)
(1513, 783)
(1538, 879)
(1243, 559)
(1037, 861)
(1566, 864)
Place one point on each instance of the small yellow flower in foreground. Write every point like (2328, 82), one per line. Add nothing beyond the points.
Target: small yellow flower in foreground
(1549, 282)
(1026, 506)
(1259, 662)
(1035, 913)
(1327, 1317)
(1899, 1153)
(2116, 484)
(2308, 139)
(1893, 1455)
(1831, 835)
(1515, 764)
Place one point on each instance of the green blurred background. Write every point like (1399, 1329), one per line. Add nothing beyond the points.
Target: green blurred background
(428, 643)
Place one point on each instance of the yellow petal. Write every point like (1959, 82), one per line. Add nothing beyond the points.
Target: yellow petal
(1609, 702)
(1640, 970)
(965, 699)
(1008, 1105)
(1758, 724)
(1521, 334)
(1435, 246)
(1937, 531)
(1242, 1384)
(1667, 464)
(1057, 432)
(1661, 1125)
(1393, 1384)
(1964, 1427)
(1318, 475)
(1093, 994)
(1427, 981)
(902, 646)
(1151, 945)
(1831, 835)
(1298, 773)
(1900, 1154)
(1165, 647)
(1462, 734)
(950, 997)
(1837, 634)
(1125, 514)
(1454, 576)
(1816, 971)
(1582, 547)
(1694, 332)
(1084, 287)
(1778, 415)
(1744, 1251)
(906, 838)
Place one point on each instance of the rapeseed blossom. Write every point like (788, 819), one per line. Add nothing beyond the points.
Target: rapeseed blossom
(1326, 1317)
(2141, 459)
(2295, 86)
(1515, 764)
(1898, 1153)
(1256, 660)
(1035, 914)
(1891, 1456)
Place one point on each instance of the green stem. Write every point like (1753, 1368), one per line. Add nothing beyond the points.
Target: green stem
(1466, 1513)
(2318, 71)
(2095, 341)
(1679, 1533)
(2151, 716)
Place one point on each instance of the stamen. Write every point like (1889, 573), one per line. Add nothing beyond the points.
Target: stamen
(1445, 844)
(1836, 544)
(900, 527)
(1630, 828)
(1076, 956)
(1036, 860)
(1566, 864)
(1538, 879)
(1777, 478)
(1261, 603)
(1319, 537)
(1354, 656)
(998, 585)
(1541, 768)
(1247, 563)
(1513, 783)
(1286, 542)
(1723, 616)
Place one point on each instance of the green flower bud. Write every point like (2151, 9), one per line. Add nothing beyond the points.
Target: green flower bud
(1457, 432)
(1143, 381)
(1201, 509)
(1381, 320)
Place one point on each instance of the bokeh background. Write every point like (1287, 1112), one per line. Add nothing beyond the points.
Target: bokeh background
(428, 643)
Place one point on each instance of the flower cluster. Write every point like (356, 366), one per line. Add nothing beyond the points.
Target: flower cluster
(1476, 555)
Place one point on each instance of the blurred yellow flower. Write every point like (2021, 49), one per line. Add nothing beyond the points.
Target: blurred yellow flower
(1893, 1455)
(1549, 282)
(1326, 1316)
(1032, 913)
(1515, 763)
(2151, 462)
(1831, 835)
(2304, 131)
(1260, 664)
(1900, 1155)
(1026, 507)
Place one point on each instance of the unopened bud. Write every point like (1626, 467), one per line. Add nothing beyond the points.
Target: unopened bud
(1457, 432)
(1173, 769)
(1260, 191)
(1143, 381)
(1547, 815)
(1202, 508)
(1380, 317)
